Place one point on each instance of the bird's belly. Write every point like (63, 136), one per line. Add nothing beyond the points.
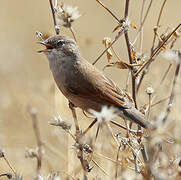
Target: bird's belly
(84, 103)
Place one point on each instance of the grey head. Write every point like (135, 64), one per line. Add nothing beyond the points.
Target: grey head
(60, 46)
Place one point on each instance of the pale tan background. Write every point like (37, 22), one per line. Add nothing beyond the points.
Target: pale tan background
(25, 78)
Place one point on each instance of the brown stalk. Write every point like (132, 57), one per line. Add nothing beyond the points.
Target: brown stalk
(57, 30)
(38, 138)
(108, 10)
(73, 34)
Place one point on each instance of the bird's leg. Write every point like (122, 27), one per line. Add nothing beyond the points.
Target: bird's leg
(72, 107)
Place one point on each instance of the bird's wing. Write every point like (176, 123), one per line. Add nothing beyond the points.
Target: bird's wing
(99, 88)
(115, 95)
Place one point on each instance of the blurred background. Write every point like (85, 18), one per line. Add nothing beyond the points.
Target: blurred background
(26, 79)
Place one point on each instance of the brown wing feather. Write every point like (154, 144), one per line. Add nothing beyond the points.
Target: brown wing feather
(99, 88)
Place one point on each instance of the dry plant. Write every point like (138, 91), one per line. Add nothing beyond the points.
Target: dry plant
(113, 150)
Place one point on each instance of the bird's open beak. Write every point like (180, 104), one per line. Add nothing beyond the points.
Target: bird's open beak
(48, 47)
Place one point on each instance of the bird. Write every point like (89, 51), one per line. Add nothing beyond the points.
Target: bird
(83, 84)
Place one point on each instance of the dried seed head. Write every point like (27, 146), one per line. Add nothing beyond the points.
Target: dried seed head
(59, 122)
(31, 153)
(32, 110)
(67, 14)
(53, 176)
(1, 153)
(106, 114)
(149, 90)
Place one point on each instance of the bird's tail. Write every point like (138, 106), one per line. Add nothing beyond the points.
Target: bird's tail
(136, 116)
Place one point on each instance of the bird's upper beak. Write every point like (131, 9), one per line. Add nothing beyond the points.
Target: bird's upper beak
(48, 47)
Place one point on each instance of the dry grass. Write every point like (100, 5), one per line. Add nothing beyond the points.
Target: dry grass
(37, 144)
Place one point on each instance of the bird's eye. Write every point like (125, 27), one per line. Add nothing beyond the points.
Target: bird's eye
(60, 43)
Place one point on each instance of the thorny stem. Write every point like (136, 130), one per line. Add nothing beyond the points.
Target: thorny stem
(156, 51)
(57, 30)
(172, 92)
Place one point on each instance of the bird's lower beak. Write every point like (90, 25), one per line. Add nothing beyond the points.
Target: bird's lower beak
(48, 47)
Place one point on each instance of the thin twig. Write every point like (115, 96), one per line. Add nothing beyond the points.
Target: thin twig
(105, 157)
(97, 132)
(149, 106)
(156, 51)
(73, 34)
(112, 134)
(127, 81)
(108, 10)
(9, 164)
(123, 127)
(100, 167)
(144, 19)
(141, 30)
(161, 82)
(57, 30)
(90, 126)
(168, 109)
(33, 114)
(117, 158)
(157, 25)
(162, 100)
(116, 38)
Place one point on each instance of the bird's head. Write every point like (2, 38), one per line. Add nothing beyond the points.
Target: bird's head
(59, 45)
